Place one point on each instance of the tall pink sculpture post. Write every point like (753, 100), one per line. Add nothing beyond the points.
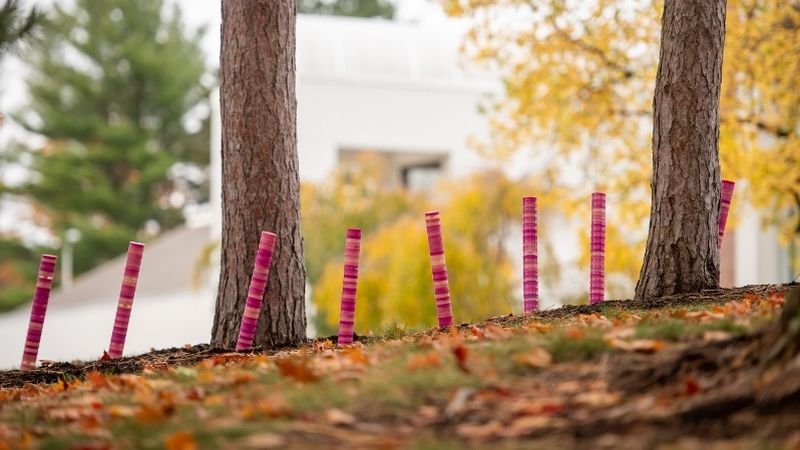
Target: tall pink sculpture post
(347, 313)
(255, 295)
(726, 195)
(597, 271)
(125, 302)
(530, 256)
(441, 290)
(44, 282)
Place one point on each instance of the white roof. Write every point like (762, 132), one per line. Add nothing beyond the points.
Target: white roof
(378, 50)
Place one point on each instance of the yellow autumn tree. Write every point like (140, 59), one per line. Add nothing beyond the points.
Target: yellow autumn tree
(579, 78)
(395, 287)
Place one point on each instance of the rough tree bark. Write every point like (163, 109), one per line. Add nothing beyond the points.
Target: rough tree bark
(260, 182)
(682, 254)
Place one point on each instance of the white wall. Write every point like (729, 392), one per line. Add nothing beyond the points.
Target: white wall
(83, 331)
(414, 117)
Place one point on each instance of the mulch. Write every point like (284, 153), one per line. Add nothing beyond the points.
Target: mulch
(50, 372)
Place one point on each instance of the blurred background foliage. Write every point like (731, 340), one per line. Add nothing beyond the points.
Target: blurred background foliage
(579, 78)
(395, 283)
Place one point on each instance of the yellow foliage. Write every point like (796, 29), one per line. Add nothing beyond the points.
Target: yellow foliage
(395, 283)
(579, 78)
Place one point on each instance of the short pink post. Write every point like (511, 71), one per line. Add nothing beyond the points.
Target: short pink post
(347, 313)
(597, 271)
(255, 295)
(530, 256)
(441, 290)
(44, 281)
(125, 302)
(726, 195)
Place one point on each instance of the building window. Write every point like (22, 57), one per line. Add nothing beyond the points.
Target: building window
(415, 171)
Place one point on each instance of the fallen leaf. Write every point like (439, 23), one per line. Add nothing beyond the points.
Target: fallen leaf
(537, 357)
(594, 320)
(637, 345)
(225, 359)
(243, 377)
(122, 411)
(714, 336)
(297, 370)
(573, 333)
(479, 431)
(97, 380)
(338, 417)
(597, 398)
(416, 362)
(153, 414)
(356, 355)
(526, 425)
(690, 386)
(620, 333)
(274, 405)
(459, 402)
(181, 440)
(538, 327)
(460, 352)
(263, 441)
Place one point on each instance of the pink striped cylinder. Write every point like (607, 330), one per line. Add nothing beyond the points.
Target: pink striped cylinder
(530, 256)
(255, 295)
(44, 282)
(726, 195)
(597, 270)
(347, 313)
(125, 303)
(441, 290)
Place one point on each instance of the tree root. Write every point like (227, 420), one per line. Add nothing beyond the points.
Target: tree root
(760, 370)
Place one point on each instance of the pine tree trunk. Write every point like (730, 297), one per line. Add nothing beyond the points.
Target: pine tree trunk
(260, 184)
(682, 254)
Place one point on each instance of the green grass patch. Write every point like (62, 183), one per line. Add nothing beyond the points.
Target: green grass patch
(676, 329)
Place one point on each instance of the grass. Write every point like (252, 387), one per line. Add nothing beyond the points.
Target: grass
(676, 330)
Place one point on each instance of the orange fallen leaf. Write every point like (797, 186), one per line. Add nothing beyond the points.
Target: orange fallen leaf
(272, 406)
(243, 377)
(538, 327)
(573, 333)
(427, 360)
(637, 345)
(122, 411)
(460, 352)
(356, 355)
(225, 359)
(297, 370)
(181, 440)
(537, 357)
(97, 380)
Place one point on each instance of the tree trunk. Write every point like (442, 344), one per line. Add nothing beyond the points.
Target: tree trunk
(260, 182)
(682, 253)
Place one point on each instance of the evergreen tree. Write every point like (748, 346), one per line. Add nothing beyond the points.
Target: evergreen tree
(15, 24)
(354, 8)
(112, 87)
